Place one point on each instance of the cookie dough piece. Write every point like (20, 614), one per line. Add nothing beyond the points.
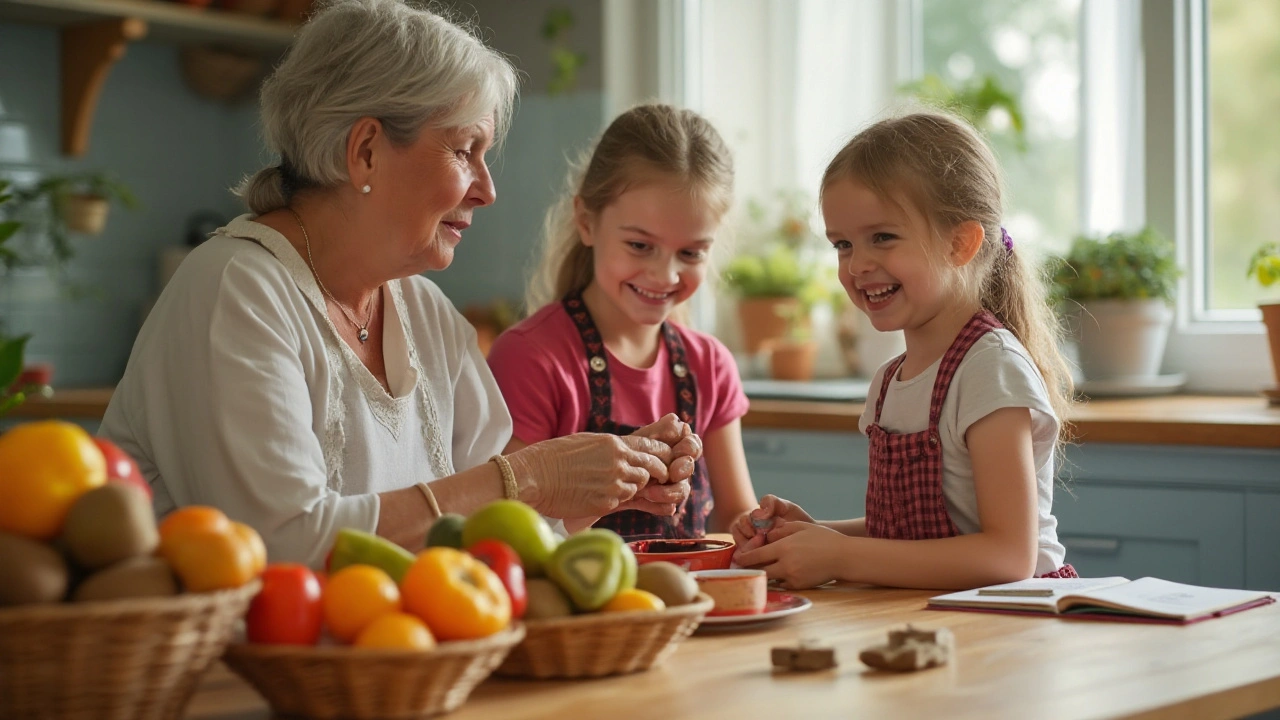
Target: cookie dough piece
(804, 657)
(910, 649)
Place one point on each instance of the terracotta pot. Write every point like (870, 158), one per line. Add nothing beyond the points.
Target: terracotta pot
(219, 74)
(792, 360)
(1271, 318)
(85, 213)
(294, 11)
(765, 320)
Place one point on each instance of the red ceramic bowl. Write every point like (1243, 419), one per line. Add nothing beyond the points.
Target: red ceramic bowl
(690, 554)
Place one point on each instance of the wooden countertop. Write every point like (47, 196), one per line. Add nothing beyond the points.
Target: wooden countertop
(1221, 421)
(1006, 666)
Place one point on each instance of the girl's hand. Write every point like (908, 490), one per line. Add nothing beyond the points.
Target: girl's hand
(751, 530)
(800, 554)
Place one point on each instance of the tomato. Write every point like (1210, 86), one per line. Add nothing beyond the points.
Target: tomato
(121, 467)
(287, 609)
(504, 561)
(458, 596)
(355, 596)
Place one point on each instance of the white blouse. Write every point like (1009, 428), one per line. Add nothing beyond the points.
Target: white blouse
(240, 394)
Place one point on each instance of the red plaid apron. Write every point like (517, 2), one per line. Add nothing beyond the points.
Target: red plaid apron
(690, 519)
(904, 490)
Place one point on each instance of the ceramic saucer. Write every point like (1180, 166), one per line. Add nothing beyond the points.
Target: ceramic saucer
(778, 605)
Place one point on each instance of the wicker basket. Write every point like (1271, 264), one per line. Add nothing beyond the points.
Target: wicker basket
(365, 683)
(602, 643)
(126, 659)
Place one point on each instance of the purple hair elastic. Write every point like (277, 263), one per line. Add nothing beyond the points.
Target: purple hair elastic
(1004, 238)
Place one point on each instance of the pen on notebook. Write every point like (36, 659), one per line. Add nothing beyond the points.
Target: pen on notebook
(1012, 592)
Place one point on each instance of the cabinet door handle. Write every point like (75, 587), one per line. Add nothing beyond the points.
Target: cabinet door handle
(1093, 546)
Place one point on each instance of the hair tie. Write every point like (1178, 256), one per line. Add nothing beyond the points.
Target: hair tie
(1004, 238)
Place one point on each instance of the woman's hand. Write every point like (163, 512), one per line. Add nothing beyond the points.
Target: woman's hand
(800, 554)
(686, 447)
(588, 474)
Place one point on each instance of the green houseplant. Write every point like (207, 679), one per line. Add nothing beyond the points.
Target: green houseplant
(12, 347)
(1116, 294)
(60, 205)
(779, 283)
(1264, 267)
(975, 101)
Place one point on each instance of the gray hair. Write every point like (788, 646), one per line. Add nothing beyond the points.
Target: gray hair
(408, 67)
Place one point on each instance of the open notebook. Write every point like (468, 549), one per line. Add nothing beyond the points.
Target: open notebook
(1113, 598)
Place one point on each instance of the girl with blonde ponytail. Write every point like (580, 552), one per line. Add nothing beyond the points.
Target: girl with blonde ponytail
(965, 425)
(625, 247)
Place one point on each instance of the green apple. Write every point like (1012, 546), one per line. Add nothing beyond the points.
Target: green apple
(517, 525)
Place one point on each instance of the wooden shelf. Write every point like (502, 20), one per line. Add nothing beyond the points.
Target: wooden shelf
(96, 33)
(166, 21)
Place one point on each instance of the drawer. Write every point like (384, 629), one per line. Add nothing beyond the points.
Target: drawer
(1189, 536)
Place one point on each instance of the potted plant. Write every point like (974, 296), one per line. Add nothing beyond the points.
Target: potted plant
(1116, 295)
(1264, 267)
(778, 285)
(63, 204)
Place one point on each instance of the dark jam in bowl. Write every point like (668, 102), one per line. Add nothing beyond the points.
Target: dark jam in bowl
(678, 546)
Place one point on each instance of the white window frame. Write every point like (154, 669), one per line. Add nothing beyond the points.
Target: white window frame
(1220, 350)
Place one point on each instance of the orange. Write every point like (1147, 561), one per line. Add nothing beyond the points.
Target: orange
(458, 596)
(634, 600)
(355, 596)
(44, 467)
(208, 560)
(253, 541)
(192, 518)
(396, 630)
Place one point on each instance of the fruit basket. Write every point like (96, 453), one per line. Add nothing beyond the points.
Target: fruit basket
(599, 644)
(113, 659)
(358, 683)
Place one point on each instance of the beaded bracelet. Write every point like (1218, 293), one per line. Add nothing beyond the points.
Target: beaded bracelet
(510, 490)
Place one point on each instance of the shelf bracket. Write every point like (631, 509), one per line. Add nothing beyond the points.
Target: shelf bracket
(88, 52)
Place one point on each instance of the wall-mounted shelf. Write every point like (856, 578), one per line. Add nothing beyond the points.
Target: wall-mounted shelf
(167, 21)
(96, 33)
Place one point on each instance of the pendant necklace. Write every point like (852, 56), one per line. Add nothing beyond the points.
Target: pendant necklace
(362, 330)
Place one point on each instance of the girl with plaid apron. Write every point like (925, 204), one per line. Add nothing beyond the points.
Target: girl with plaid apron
(912, 207)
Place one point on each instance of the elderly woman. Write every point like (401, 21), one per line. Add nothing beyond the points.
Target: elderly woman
(298, 372)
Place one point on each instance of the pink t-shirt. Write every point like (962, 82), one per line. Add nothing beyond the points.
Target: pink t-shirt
(541, 367)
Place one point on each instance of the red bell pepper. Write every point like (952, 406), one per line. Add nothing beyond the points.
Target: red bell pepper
(505, 563)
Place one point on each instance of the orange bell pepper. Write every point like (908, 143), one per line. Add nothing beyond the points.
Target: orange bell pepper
(456, 595)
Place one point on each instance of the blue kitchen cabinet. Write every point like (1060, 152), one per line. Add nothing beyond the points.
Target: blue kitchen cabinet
(1200, 515)
(823, 472)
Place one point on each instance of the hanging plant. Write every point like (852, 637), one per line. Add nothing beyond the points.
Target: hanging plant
(565, 63)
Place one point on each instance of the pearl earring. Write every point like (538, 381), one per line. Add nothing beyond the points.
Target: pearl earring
(366, 189)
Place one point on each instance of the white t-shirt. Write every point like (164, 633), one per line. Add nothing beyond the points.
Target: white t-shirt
(996, 373)
(240, 394)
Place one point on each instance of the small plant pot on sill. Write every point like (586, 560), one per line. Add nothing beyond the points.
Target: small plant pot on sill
(765, 319)
(1271, 318)
(792, 360)
(85, 213)
(1121, 339)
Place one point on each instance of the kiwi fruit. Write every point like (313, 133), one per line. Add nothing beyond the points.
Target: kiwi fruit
(668, 581)
(546, 600)
(30, 572)
(136, 577)
(108, 524)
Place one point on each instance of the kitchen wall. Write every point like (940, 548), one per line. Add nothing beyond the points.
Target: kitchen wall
(180, 153)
